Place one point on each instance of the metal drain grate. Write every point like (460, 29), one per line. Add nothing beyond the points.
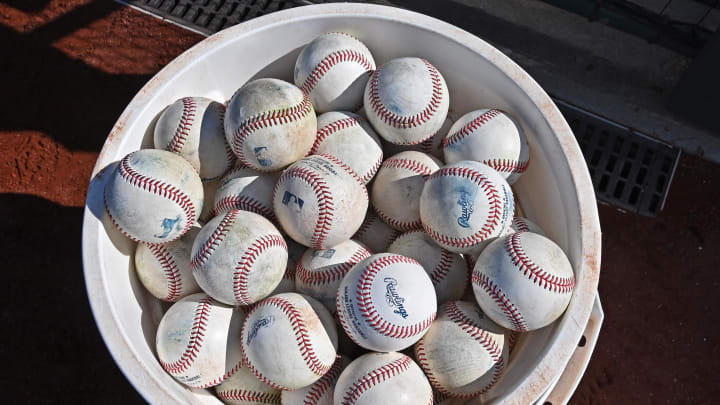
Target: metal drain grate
(210, 16)
(629, 169)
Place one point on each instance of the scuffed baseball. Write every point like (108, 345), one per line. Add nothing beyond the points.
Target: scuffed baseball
(522, 224)
(465, 205)
(239, 257)
(383, 378)
(448, 271)
(153, 196)
(333, 70)
(432, 146)
(397, 188)
(243, 388)
(386, 302)
(321, 391)
(197, 340)
(246, 189)
(350, 139)
(406, 100)
(375, 234)
(193, 128)
(524, 154)
(164, 268)
(320, 272)
(488, 136)
(482, 357)
(289, 341)
(269, 124)
(320, 202)
(523, 281)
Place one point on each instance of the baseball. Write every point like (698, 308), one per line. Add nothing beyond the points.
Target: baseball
(269, 124)
(246, 189)
(463, 353)
(243, 388)
(521, 224)
(333, 70)
(164, 268)
(153, 196)
(239, 257)
(289, 341)
(374, 233)
(487, 136)
(523, 281)
(319, 272)
(432, 146)
(464, 205)
(386, 302)
(350, 139)
(383, 378)
(197, 341)
(448, 271)
(397, 188)
(320, 202)
(406, 100)
(321, 391)
(193, 128)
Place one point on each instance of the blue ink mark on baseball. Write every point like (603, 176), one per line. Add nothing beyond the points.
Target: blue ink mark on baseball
(393, 298)
(261, 153)
(257, 325)
(167, 226)
(289, 198)
(396, 109)
(325, 254)
(466, 209)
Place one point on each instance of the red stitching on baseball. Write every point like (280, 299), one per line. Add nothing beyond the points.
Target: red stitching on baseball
(375, 377)
(267, 119)
(535, 273)
(249, 396)
(216, 237)
(370, 173)
(494, 210)
(244, 203)
(244, 266)
(332, 128)
(197, 334)
(301, 336)
(401, 225)
(290, 273)
(343, 323)
(155, 186)
(325, 384)
(521, 225)
(333, 273)
(366, 307)
(347, 169)
(511, 312)
(408, 164)
(343, 55)
(471, 126)
(469, 326)
(421, 357)
(183, 129)
(170, 268)
(229, 154)
(397, 121)
(324, 198)
(117, 226)
(506, 165)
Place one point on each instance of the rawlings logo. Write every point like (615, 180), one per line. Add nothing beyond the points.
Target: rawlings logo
(467, 209)
(260, 323)
(393, 298)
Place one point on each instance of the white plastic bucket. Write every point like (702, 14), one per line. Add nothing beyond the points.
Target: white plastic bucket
(556, 192)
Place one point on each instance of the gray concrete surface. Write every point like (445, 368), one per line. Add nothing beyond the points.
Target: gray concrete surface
(613, 74)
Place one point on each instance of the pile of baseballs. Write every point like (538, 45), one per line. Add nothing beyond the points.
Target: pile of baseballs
(253, 217)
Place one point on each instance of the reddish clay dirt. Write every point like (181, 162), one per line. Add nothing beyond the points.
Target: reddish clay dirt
(71, 66)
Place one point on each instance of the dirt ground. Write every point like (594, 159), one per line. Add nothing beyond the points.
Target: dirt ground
(68, 69)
